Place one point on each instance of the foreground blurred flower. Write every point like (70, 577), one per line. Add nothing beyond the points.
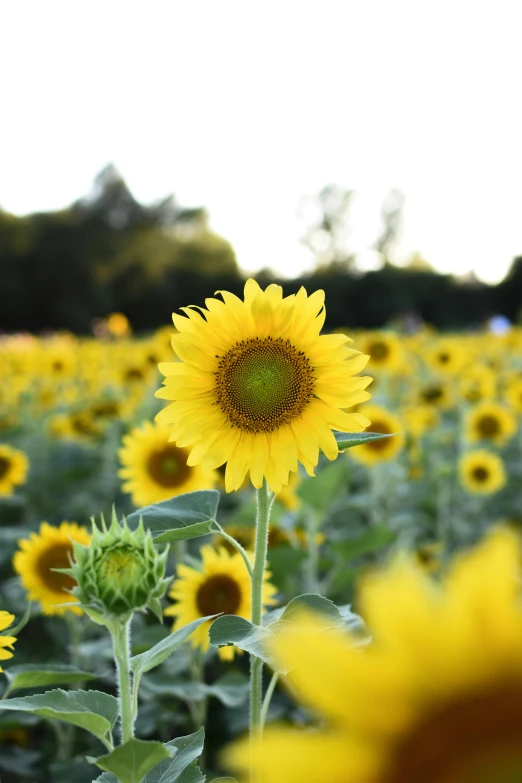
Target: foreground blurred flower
(222, 585)
(386, 449)
(14, 466)
(38, 555)
(156, 470)
(481, 472)
(258, 387)
(6, 620)
(437, 697)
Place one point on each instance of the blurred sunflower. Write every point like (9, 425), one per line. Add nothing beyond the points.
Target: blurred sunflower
(222, 585)
(258, 387)
(6, 620)
(384, 349)
(489, 421)
(420, 419)
(14, 467)
(156, 470)
(38, 555)
(477, 383)
(386, 449)
(481, 472)
(447, 356)
(437, 696)
(513, 394)
(436, 393)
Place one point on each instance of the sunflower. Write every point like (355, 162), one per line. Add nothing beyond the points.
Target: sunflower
(258, 387)
(436, 393)
(477, 383)
(222, 585)
(513, 394)
(447, 355)
(481, 472)
(386, 449)
(491, 422)
(14, 467)
(384, 349)
(156, 470)
(437, 696)
(6, 620)
(36, 558)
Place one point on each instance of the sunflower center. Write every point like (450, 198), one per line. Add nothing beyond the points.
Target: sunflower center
(480, 474)
(382, 428)
(134, 374)
(56, 556)
(122, 566)
(475, 740)
(168, 467)
(219, 593)
(444, 358)
(263, 384)
(432, 394)
(4, 466)
(488, 426)
(379, 350)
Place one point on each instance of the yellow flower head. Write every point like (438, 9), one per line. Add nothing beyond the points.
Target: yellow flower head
(491, 422)
(156, 470)
(258, 387)
(36, 558)
(386, 449)
(384, 349)
(222, 585)
(481, 472)
(14, 467)
(6, 620)
(447, 356)
(436, 393)
(437, 696)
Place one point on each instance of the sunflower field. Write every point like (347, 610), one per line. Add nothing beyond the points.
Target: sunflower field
(242, 549)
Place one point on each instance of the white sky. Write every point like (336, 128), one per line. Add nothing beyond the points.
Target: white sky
(245, 106)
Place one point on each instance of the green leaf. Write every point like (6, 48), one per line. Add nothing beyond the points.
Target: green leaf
(231, 629)
(160, 652)
(345, 440)
(185, 516)
(106, 777)
(131, 761)
(370, 541)
(312, 603)
(91, 710)
(320, 491)
(44, 674)
(188, 749)
(231, 690)
(191, 775)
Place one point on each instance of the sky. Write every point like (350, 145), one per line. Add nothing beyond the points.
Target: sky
(245, 107)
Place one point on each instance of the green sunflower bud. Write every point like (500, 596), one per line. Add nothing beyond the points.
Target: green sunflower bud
(119, 572)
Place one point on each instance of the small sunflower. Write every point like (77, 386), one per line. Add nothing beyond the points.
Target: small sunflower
(513, 394)
(385, 351)
(437, 696)
(156, 470)
(6, 620)
(258, 387)
(478, 383)
(386, 449)
(491, 422)
(447, 356)
(436, 393)
(222, 585)
(36, 558)
(481, 472)
(14, 467)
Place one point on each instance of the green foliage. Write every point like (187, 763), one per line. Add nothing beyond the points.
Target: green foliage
(160, 652)
(132, 760)
(320, 491)
(94, 711)
(181, 768)
(370, 541)
(44, 674)
(183, 517)
(346, 440)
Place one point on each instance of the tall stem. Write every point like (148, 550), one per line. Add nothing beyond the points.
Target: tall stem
(264, 504)
(121, 645)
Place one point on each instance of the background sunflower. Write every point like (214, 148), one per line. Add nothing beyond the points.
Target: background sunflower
(14, 467)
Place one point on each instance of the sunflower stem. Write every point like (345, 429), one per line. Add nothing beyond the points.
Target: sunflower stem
(237, 546)
(264, 504)
(268, 698)
(121, 645)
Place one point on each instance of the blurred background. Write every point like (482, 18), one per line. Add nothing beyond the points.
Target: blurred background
(151, 154)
